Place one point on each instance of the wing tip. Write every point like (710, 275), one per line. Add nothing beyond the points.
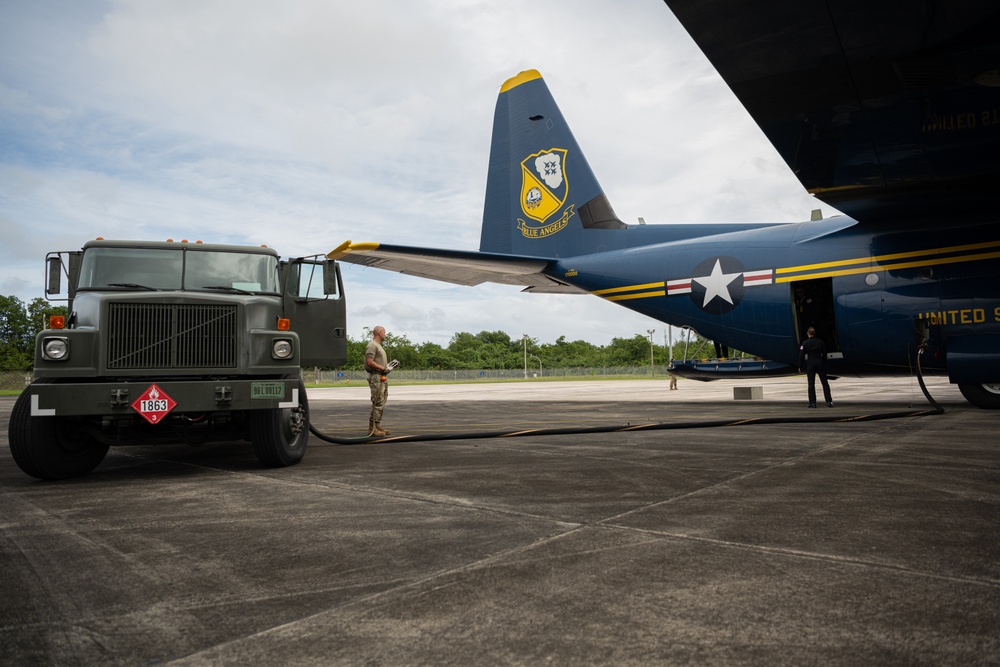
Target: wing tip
(350, 246)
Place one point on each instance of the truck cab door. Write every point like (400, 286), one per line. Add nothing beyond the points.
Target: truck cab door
(313, 301)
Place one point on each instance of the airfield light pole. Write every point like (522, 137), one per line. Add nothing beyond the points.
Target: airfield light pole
(651, 371)
(525, 356)
(539, 364)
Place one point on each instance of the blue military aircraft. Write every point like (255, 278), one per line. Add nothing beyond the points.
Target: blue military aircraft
(888, 111)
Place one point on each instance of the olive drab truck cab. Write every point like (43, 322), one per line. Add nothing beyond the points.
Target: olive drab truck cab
(170, 342)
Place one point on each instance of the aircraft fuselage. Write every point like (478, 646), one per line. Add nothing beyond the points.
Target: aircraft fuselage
(873, 296)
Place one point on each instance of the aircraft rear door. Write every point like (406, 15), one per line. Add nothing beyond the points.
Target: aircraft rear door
(812, 306)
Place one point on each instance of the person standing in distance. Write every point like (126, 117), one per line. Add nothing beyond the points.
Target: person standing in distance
(375, 364)
(812, 357)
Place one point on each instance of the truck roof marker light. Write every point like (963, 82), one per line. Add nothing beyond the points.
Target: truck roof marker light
(184, 240)
(284, 324)
(198, 241)
(98, 238)
(57, 322)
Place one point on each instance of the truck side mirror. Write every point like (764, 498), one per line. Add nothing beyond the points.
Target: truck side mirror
(330, 282)
(53, 282)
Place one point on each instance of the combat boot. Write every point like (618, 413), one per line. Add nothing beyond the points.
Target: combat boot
(379, 430)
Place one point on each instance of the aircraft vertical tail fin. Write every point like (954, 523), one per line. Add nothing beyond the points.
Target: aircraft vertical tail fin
(542, 199)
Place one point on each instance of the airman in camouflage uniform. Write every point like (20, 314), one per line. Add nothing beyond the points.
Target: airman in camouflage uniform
(375, 364)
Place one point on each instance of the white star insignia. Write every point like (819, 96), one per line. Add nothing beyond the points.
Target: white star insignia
(717, 284)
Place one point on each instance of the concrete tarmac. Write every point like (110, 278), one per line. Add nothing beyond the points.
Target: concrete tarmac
(840, 542)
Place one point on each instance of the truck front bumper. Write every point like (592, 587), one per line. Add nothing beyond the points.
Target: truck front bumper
(53, 399)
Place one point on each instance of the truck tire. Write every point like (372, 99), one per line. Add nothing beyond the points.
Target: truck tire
(50, 447)
(280, 436)
(986, 396)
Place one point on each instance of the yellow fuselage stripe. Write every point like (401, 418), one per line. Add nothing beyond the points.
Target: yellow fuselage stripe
(641, 295)
(802, 272)
(812, 271)
(627, 288)
(886, 258)
(890, 267)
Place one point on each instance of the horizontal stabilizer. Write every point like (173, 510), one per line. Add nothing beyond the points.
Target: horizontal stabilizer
(455, 266)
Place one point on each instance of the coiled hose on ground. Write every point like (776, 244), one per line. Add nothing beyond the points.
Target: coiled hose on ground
(658, 426)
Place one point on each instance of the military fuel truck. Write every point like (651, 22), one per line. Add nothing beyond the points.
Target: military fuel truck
(176, 342)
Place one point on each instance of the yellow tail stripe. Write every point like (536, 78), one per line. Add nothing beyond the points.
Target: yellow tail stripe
(523, 77)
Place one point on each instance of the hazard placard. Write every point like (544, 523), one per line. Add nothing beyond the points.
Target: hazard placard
(154, 404)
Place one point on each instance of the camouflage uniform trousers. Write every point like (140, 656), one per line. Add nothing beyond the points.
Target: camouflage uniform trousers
(380, 393)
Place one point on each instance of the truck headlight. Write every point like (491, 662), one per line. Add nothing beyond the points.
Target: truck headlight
(281, 348)
(55, 349)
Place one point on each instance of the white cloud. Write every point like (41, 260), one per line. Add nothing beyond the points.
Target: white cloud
(305, 123)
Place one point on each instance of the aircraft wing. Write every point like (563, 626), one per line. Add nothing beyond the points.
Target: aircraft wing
(455, 266)
(886, 110)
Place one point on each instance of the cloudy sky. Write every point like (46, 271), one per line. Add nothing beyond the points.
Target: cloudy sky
(304, 123)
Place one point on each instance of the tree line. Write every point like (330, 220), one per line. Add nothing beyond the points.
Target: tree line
(490, 350)
(20, 322)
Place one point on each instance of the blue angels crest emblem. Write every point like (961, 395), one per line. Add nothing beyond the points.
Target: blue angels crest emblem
(543, 192)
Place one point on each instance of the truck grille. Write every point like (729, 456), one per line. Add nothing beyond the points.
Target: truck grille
(155, 335)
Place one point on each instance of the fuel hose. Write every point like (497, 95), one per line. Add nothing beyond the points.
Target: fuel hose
(935, 409)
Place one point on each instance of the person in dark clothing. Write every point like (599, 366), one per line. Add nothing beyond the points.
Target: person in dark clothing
(812, 358)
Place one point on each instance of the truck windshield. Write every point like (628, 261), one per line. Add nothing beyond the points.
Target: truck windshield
(169, 269)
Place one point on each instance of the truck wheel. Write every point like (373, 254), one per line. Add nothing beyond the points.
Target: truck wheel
(279, 436)
(50, 447)
(985, 396)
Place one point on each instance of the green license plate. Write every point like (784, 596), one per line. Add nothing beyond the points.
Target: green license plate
(267, 390)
